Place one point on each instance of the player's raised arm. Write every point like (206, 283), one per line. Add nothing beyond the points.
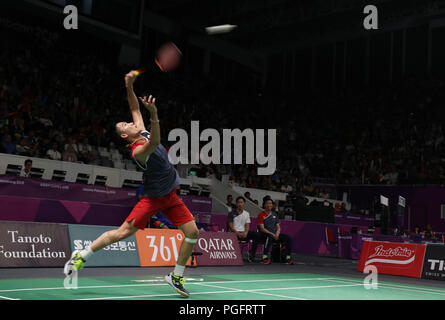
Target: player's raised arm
(141, 152)
(130, 78)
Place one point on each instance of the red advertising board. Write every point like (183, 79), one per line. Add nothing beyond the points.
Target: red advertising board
(401, 259)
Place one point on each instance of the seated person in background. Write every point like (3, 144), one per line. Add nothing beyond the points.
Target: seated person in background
(6, 145)
(85, 151)
(344, 209)
(69, 154)
(324, 194)
(265, 198)
(247, 196)
(160, 221)
(337, 208)
(54, 153)
(230, 206)
(238, 221)
(428, 233)
(416, 234)
(26, 171)
(269, 227)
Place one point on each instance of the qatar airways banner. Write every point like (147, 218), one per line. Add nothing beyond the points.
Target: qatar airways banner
(68, 191)
(218, 249)
(402, 259)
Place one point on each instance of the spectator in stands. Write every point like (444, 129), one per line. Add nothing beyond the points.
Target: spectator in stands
(70, 154)
(247, 196)
(230, 205)
(23, 149)
(308, 189)
(85, 151)
(7, 145)
(317, 192)
(43, 147)
(324, 194)
(238, 221)
(45, 120)
(54, 153)
(416, 235)
(26, 170)
(286, 187)
(270, 231)
(337, 207)
(71, 142)
(428, 233)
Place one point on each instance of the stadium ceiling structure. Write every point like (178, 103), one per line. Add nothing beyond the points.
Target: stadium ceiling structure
(269, 25)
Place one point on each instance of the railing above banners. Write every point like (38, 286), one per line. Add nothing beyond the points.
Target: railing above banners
(79, 173)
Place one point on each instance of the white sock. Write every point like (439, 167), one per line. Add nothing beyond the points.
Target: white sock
(287, 257)
(86, 253)
(179, 270)
(265, 256)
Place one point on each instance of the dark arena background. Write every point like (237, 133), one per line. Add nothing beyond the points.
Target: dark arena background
(350, 97)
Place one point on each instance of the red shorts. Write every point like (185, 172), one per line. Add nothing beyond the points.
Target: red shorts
(170, 205)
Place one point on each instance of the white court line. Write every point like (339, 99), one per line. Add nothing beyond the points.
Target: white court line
(6, 298)
(156, 295)
(252, 291)
(316, 287)
(163, 284)
(278, 295)
(231, 291)
(396, 287)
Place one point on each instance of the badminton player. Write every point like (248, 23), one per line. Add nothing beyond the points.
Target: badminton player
(159, 194)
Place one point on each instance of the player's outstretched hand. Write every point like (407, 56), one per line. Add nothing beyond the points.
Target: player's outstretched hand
(130, 78)
(149, 103)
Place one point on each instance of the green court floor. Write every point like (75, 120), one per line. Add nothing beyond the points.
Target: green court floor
(288, 286)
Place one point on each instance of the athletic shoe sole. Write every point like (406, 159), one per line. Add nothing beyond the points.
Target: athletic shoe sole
(169, 281)
(67, 271)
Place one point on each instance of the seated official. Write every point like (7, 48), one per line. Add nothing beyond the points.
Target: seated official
(269, 227)
(238, 221)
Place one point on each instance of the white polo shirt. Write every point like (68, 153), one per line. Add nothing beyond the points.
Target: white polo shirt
(239, 220)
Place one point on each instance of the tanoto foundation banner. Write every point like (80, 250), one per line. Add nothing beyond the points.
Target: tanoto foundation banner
(28, 244)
